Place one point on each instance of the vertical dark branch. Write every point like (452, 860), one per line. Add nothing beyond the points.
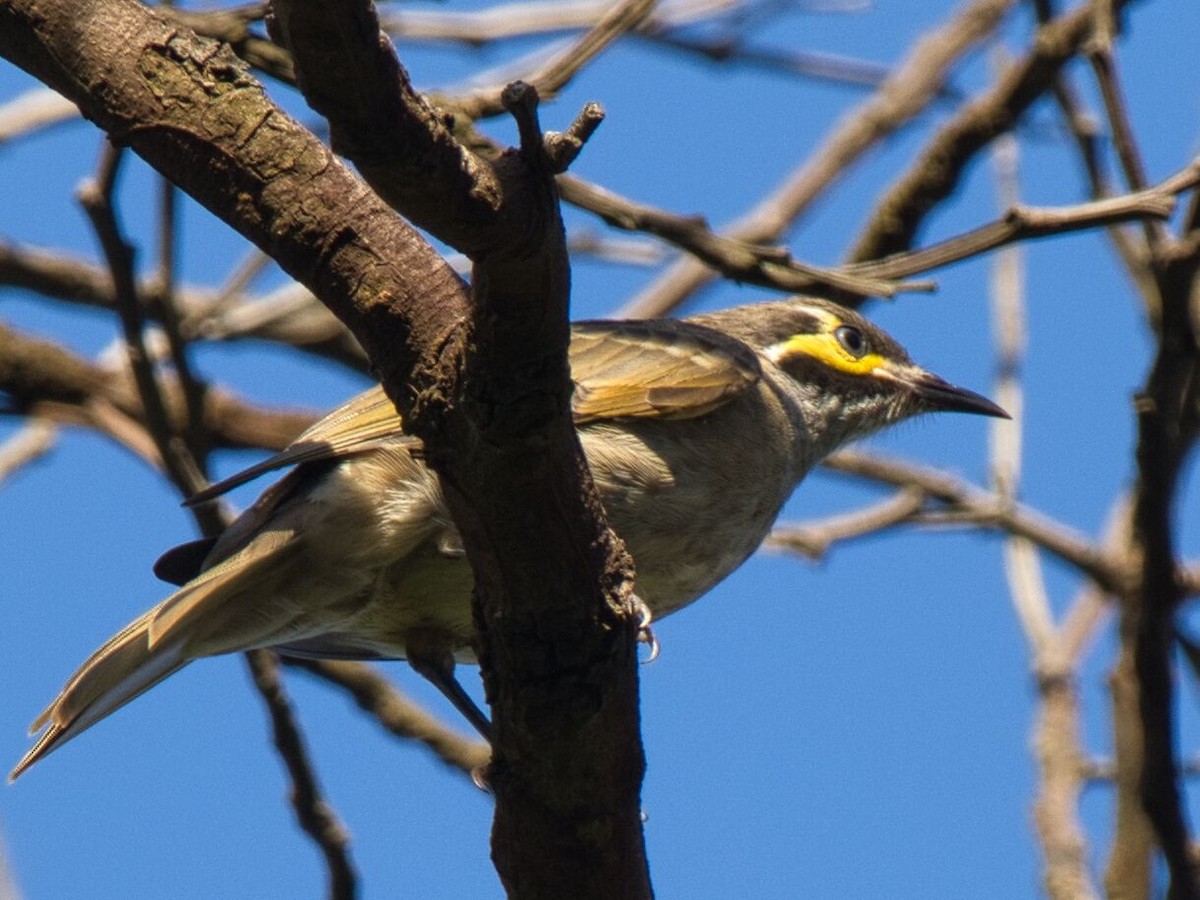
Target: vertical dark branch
(1164, 415)
(193, 389)
(1104, 65)
(556, 625)
(96, 198)
(560, 665)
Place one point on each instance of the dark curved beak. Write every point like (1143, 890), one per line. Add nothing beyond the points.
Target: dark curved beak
(942, 396)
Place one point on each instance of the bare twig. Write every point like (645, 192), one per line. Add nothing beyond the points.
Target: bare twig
(827, 67)
(909, 90)
(969, 505)
(290, 316)
(814, 540)
(33, 441)
(48, 382)
(1100, 54)
(937, 170)
(1023, 570)
(736, 259)
(620, 19)
(508, 20)
(193, 390)
(1056, 741)
(1024, 223)
(313, 813)
(95, 196)
(1084, 129)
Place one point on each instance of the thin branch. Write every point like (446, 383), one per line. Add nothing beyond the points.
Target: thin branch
(735, 259)
(973, 506)
(34, 111)
(33, 441)
(95, 196)
(1084, 128)
(1024, 223)
(826, 67)
(814, 540)
(1100, 54)
(45, 380)
(935, 173)
(907, 92)
(314, 814)
(557, 72)
(291, 316)
(1057, 746)
(509, 20)
(195, 440)
(1022, 567)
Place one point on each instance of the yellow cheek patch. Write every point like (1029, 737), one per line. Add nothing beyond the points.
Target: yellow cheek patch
(825, 349)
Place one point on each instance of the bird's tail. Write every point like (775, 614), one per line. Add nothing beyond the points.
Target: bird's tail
(118, 672)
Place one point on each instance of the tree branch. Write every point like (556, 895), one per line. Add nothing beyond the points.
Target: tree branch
(567, 762)
(314, 814)
(907, 91)
(939, 167)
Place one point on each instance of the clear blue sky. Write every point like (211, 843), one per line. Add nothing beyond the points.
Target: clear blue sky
(854, 729)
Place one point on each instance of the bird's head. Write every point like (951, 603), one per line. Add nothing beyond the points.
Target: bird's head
(854, 377)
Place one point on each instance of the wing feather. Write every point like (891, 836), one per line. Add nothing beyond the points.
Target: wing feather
(359, 424)
(622, 370)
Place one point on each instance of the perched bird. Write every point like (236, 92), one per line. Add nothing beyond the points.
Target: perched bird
(696, 431)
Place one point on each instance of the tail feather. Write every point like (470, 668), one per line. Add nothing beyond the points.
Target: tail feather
(118, 672)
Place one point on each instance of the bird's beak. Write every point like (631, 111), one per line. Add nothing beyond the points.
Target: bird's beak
(940, 395)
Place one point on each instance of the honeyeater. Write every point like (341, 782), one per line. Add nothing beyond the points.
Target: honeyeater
(696, 431)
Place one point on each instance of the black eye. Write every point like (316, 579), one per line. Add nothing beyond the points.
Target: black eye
(852, 340)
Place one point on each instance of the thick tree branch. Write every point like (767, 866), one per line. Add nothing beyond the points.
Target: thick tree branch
(42, 379)
(567, 761)
(291, 315)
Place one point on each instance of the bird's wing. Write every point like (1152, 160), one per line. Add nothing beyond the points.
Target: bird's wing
(182, 563)
(253, 571)
(633, 369)
(622, 370)
(357, 425)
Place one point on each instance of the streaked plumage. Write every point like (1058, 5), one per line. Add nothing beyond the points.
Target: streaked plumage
(696, 431)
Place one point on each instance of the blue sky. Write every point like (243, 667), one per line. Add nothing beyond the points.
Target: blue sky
(856, 728)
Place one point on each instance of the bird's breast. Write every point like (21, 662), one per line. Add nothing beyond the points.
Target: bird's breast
(693, 498)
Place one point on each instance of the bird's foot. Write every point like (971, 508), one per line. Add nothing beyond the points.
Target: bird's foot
(645, 632)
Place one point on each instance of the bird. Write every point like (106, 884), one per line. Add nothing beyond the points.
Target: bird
(696, 430)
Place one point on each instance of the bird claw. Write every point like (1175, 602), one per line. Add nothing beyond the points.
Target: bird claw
(645, 632)
(479, 777)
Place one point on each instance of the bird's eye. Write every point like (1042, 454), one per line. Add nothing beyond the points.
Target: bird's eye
(852, 340)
